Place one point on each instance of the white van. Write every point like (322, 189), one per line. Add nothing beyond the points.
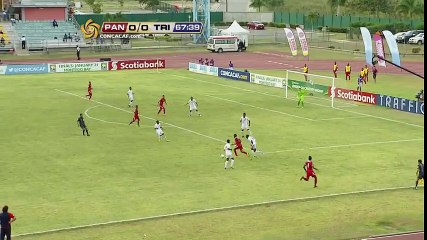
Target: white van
(224, 44)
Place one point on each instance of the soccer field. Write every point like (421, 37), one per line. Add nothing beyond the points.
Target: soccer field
(56, 178)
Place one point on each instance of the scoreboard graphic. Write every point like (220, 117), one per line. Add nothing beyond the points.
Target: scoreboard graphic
(151, 28)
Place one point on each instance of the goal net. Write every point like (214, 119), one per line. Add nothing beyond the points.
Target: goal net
(317, 87)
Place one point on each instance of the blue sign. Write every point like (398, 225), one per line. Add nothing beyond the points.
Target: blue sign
(233, 74)
(27, 69)
(401, 104)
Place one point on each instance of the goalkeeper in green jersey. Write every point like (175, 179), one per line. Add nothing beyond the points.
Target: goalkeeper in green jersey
(301, 95)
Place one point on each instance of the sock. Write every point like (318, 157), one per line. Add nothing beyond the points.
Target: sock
(232, 163)
(159, 111)
(416, 183)
(315, 181)
(138, 123)
(226, 163)
(83, 132)
(87, 132)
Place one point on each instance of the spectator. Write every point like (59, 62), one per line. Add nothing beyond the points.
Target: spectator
(420, 96)
(76, 37)
(207, 62)
(241, 45)
(6, 218)
(2, 42)
(201, 61)
(212, 63)
(65, 38)
(23, 42)
(4, 15)
(69, 37)
(54, 23)
(13, 21)
(78, 52)
(231, 65)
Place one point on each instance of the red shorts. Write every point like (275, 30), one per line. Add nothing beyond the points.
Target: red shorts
(310, 174)
(135, 117)
(347, 74)
(161, 107)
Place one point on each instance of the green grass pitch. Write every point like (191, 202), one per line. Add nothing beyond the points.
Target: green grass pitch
(53, 177)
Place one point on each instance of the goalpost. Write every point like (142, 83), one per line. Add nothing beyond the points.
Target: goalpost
(317, 86)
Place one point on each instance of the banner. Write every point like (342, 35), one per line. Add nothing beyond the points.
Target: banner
(362, 97)
(267, 80)
(291, 40)
(401, 104)
(366, 35)
(316, 88)
(27, 69)
(379, 47)
(302, 41)
(78, 67)
(392, 45)
(203, 69)
(136, 64)
(233, 74)
(2, 70)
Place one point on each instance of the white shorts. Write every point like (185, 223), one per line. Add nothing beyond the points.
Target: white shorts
(159, 132)
(245, 126)
(193, 108)
(130, 99)
(253, 146)
(229, 156)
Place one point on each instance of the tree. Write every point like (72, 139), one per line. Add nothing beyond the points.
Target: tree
(258, 4)
(121, 3)
(410, 8)
(96, 6)
(312, 17)
(149, 3)
(117, 17)
(275, 5)
(336, 4)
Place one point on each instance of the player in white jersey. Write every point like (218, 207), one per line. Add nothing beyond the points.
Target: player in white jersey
(159, 131)
(246, 123)
(130, 96)
(192, 103)
(228, 155)
(252, 140)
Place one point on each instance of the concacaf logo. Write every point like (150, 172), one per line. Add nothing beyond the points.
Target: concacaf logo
(90, 29)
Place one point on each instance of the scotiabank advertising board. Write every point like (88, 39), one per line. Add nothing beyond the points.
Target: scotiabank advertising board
(351, 95)
(136, 64)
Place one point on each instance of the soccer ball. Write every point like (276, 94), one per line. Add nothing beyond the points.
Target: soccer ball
(222, 156)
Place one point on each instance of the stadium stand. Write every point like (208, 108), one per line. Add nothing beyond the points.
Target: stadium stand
(41, 35)
(6, 45)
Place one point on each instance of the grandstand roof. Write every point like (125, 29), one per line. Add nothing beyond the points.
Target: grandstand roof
(42, 3)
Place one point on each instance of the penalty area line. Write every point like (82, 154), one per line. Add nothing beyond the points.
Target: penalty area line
(105, 121)
(217, 209)
(124, 110)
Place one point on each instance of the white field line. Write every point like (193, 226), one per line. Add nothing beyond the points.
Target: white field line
(124, 110)
(208, 210)
(266, 109)
(382, 118)
(247, 90)
(394, 235)
(347, 145)
(327, 106)
(105, 121)
(339, 118)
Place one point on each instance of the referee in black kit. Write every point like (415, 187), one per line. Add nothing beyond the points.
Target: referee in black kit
(78, 52)
(81, 123)
(420, 172)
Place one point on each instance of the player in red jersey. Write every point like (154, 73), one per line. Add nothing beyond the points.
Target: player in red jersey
(239, 146)
(308, 168)
(89, 90)
(162, 103)
(135, 115)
